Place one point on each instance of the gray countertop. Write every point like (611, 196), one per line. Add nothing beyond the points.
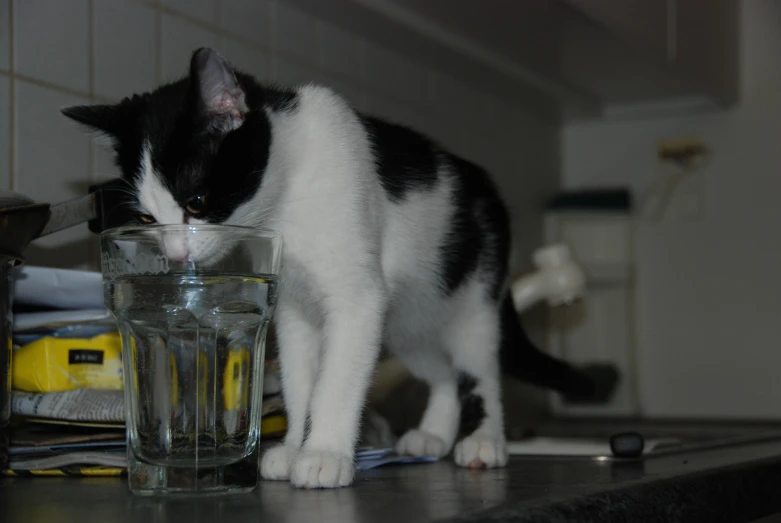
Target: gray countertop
(735, 483)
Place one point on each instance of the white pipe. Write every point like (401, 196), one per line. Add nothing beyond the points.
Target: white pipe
(558, 279)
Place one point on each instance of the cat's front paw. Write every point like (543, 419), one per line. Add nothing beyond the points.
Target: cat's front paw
(318, 469)
(276, 462)
(479, 452)
(421, 444)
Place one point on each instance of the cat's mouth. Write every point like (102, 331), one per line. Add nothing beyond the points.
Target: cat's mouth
(206, 249)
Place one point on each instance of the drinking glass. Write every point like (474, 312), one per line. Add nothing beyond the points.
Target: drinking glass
(192, 304)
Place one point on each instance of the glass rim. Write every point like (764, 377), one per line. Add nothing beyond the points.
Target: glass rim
(256, 232)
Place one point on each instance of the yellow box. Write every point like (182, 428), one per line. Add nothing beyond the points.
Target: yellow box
(59, 364)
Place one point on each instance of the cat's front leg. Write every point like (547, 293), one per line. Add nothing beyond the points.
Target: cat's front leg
(299, 346)
(352, 333)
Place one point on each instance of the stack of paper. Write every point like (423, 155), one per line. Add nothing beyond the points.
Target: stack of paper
(63, 450)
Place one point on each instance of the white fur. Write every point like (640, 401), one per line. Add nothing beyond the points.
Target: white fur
(358, 269)
(155, 199)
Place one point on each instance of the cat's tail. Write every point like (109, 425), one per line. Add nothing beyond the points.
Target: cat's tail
(520, 359)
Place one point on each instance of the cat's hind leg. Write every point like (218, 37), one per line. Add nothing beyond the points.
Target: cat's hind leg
(473, 337)
(437, 431)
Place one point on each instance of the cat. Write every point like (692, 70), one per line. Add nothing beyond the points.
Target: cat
(388, 239)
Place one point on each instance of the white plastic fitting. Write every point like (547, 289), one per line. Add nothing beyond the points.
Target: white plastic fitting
(558, 279)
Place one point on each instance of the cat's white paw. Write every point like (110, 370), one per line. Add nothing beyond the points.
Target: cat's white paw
(276, 462)
(421, 444)
(478, 452)
(317, 469)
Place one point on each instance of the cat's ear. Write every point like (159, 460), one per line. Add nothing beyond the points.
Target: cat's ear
(109, 120)
(219, 98)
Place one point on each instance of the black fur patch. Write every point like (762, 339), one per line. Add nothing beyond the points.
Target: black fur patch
(282, 100)
(472, 408)
(406, 160)
(225, 169)
(480, 229)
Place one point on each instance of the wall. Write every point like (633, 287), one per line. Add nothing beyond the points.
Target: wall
(709, 289)
(57, 53)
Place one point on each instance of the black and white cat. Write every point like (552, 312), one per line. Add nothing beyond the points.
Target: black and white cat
(388, 239)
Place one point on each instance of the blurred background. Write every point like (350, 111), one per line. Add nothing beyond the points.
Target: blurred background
(676, 105)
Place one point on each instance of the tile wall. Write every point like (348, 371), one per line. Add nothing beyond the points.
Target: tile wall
(55, 53)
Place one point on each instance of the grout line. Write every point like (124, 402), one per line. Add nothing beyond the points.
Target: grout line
(12, 101)
(271, 30)
(92, 248)
(91, 47)
(59, 88)
(158, 45)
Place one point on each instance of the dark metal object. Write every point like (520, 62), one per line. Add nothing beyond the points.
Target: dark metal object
(20, 223)
(67, 214)
(113, 205)
(18, 226)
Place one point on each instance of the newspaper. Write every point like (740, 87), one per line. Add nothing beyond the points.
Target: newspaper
(87, 405)
(58, 288)
(30, 434)
(104, 459)
(49, 320)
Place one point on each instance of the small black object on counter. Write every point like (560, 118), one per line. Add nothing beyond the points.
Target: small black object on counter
(627, 444)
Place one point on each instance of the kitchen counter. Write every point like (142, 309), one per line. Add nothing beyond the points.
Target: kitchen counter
(734, 483)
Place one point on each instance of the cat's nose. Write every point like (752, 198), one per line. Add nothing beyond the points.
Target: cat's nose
(178, 257)
(176, 247)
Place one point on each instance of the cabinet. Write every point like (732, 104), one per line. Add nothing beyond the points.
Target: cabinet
(644, 23)
(695, 40)
(572, 59)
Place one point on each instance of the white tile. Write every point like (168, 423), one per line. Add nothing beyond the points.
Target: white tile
(363, 102)
(442, 93)
(125, 56)
(247, 18)
(490, 109)
(291, 73)
(52, 165)
(449, 95)
(394, 111)
(180, 39)
(295, 33)
(449, 135)
(5, 132)
(5, 34)
(378, 62)
(203, 10)
(340, 52)
(249, 59)
(350, 92)
(415, 84)
(51, 41)
(396, 74)
(103, 167)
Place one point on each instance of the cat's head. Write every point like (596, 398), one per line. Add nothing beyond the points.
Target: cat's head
(192, 151)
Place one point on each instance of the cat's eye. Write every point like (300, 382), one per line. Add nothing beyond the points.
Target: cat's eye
(145, 218)
(195, 205)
